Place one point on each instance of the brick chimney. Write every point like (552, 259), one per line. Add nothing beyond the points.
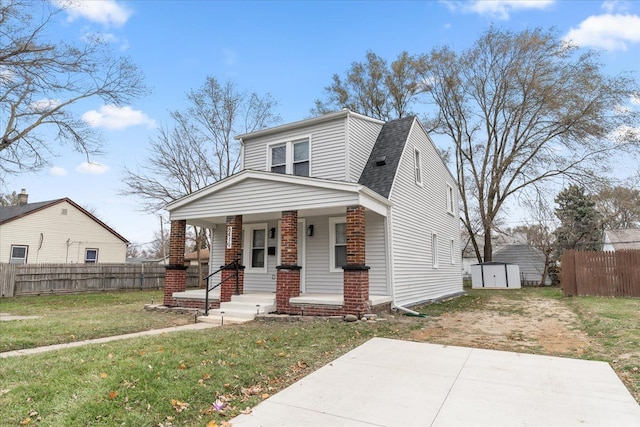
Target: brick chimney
(23, 197)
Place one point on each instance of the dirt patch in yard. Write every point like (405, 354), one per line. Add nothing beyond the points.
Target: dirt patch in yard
(532, 324)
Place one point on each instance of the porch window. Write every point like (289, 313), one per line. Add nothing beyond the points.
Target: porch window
(90, 256)
(434, 250)
(255, 248)
(338, 244)
(18, 254)
(291, 157)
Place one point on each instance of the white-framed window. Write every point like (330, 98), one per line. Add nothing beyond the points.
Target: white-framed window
(19, 254)
(337, 243)
(451, 199)
(434, 250)
(291, 157)
(90, 256)
(255, 247)
(452, 249)
(417, 165)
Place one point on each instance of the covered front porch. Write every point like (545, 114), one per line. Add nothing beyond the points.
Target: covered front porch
(319, 246)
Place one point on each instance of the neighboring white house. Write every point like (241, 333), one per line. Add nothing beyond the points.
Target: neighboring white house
(623, 238)
(323, 170)
(56, 231)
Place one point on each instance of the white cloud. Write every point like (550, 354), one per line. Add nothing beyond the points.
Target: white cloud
(611, 32)
(499, 9)
(92, 168)
(43, 105)
(611, 6)
(117, 118)
(58, 171)
(106, 12)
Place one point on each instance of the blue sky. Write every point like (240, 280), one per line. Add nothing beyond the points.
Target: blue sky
(288, 49)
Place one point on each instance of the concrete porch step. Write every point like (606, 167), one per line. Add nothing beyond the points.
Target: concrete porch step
(246, 306)
(219, 320)
(257, 297)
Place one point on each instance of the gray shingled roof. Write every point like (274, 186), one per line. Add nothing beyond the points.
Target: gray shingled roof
(388, 147)
(8, 213)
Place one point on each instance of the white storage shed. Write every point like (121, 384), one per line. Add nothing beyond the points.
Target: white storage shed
(495, 275)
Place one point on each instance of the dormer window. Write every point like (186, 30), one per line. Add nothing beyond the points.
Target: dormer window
(291, 157)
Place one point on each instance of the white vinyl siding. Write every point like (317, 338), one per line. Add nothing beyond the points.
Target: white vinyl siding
(60, 233)
(318, 278)
(326, 144)
(434, 250)
(362, 135)
(376, 259)
(255, 196)
(417, 213)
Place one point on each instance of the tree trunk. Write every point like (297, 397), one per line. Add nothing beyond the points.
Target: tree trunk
(488, 247)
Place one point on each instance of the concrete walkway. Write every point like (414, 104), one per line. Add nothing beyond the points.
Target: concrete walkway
(190, 327)
(398, 383)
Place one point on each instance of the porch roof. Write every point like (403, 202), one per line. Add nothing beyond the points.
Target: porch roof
(265, 195)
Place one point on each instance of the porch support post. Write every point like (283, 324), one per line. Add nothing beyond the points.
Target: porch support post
(232, 252)
(175, 275)
(356, 273)
(288, 276)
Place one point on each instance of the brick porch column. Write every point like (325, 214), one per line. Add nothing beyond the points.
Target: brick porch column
(356, 273)
(175, 275)
(288, 276)
(232, 252)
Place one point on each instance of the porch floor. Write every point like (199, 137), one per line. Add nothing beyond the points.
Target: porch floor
(303, 299)
(335, 299)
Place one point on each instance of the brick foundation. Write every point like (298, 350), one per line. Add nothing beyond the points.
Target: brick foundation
(287, 286)
(196, 303)
(175, 280)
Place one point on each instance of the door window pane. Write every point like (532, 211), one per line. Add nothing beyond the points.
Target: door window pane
(258, 251)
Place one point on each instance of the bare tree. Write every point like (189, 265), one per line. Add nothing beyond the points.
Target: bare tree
(41, 78)
(374, 88)
(522, 109)
(619, 207)
(199, 148)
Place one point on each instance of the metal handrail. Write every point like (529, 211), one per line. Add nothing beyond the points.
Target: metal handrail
(236, 266)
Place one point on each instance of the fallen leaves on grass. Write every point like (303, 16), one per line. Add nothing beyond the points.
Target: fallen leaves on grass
(113, 395)
(103, 375)
(179, 406)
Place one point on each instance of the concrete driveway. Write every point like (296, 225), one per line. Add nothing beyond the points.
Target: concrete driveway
(398, 383)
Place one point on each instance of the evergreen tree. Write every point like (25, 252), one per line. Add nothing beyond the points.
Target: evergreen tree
(579, 221)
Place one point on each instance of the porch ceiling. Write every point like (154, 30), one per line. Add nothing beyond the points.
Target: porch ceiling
(260, 196)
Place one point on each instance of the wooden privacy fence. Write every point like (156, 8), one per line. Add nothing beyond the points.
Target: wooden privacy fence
(37, 279)
(612, 274)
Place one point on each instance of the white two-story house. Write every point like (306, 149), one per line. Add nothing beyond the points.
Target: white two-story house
(330, 215)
